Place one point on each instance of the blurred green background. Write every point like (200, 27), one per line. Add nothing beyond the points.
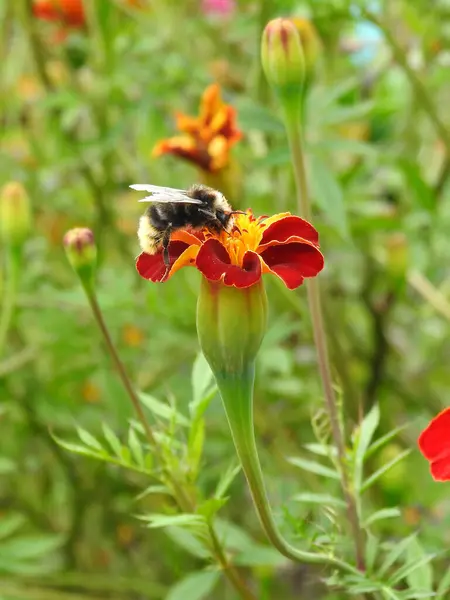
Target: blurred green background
(82, 107)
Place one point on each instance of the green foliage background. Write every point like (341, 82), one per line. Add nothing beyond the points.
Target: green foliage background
(79, 121)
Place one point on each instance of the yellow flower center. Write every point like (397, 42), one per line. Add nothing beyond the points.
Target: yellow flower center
(246, 235)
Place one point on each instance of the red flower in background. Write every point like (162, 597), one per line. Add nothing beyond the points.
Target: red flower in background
(284, 245)
(66, 12)
(434, 443)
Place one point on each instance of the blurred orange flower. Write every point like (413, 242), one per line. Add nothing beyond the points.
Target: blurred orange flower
(67, 12)
(206, 140)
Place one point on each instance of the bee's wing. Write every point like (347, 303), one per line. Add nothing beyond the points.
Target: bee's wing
(164, 194)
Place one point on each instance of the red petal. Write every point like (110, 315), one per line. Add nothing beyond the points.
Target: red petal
(440, 469)
(286, 227)
(434, 441)
(213, 261)
(293, 262)
(152, 267)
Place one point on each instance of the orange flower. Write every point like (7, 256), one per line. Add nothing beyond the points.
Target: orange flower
(206, 140)
(67, 12)
(284, 245)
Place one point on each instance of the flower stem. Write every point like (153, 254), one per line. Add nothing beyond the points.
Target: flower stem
(10, 293)
(98, 315)
(237, 397)
(293, 128)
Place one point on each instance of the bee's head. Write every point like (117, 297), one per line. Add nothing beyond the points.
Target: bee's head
(223, 211)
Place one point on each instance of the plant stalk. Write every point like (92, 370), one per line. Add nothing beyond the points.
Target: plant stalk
(10, 293)
(294, 133)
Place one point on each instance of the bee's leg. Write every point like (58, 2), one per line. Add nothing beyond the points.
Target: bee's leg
(165, 245)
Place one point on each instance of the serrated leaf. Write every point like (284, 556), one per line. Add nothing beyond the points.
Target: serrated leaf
(327, 192)
(420, 579)
(323, 499)
(195, 586)
(227, 479)
(162, 410)
(157, 521)
(112, 440)
(384, 513)
(77, 448)
(363, 438)
(373, 478)
(321, 449)
(313, 467)
(383, 440)
(89, 439)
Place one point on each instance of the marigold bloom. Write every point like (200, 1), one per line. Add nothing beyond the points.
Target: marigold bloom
(68, 12)
(434, 443)
(284, 245)
(206, 140)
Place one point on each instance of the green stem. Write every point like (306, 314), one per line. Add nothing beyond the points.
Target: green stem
(237, 395)
(13, 260)
(294, 133)
(98, 315)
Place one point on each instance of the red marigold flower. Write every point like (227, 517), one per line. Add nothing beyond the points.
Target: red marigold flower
(434, 443)
(67, 12)
(284, 245)
(206, 140)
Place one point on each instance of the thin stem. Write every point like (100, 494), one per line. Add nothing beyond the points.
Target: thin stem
(295, 142)
(9, 294)
(229, 570)
(98, 315)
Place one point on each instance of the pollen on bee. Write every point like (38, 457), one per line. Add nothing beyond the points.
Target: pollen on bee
(149, 237)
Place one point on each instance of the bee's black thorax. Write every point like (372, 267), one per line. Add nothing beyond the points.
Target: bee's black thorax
(213, 212)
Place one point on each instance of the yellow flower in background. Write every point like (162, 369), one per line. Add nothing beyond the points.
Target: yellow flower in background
(205, 140)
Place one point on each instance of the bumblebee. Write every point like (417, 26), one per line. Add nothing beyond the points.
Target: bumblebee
(171, 209)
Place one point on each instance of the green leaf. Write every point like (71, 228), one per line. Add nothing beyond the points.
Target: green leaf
(372, 547)
(227, 479)
(195, 586)
(160, 409)
(327, 192)
(30, 547)
(383, 440)
(420, 190)
(384, 513)
(260, 556)
(444, 586)
(156, 520)
(255, 116)
(7, 466)
(202, 380)
(363, 438)
(209, 508)
(186, 540)
(10, 524)
(112, 440)
(89, 439)
(341, 113)
(136, 448)
(323, 499)
(406, 570)
(397, 550)
(345, 145)
(313, 467)
(373, 478)
(420, 579)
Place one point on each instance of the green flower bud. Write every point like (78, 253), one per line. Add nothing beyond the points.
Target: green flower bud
(310, 43)
(231, 323)
(15, 214)
(282, 58)
(81, 252)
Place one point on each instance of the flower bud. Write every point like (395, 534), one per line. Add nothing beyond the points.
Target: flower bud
(282, 57)
(310, 43)
(15, 214)
(81, 252)
(231, 323)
